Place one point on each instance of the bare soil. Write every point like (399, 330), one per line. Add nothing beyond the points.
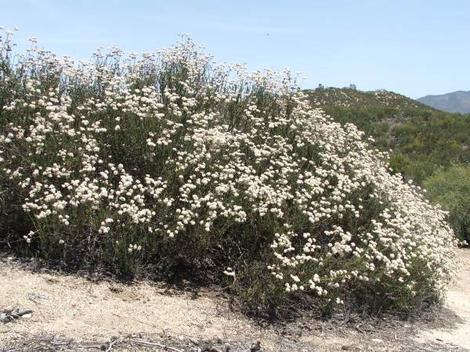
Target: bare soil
(458, 301)
(73, 313)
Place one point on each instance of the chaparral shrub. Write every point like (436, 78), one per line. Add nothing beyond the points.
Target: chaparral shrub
(169, 160)
(451, 189)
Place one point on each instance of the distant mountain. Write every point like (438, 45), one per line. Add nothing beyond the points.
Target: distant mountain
(452, 102)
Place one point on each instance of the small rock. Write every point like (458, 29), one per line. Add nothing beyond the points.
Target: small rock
(35, 296)
(8, 315)
(3, 318)
(193, 341)
(256, 347)
(206, 346)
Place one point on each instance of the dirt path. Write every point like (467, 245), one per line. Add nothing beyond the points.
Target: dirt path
(71, 308)
(458, 301)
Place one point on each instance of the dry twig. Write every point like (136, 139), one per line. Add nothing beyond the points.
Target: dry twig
(155, 344)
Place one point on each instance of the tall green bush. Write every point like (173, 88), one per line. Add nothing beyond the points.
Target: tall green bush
(451, 189)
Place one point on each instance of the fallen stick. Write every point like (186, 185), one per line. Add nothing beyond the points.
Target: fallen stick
(98, 347)
(112, 343)
(155, 344)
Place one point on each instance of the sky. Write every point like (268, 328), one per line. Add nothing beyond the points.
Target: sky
(411, 47)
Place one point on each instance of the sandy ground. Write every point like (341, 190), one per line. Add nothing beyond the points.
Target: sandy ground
(458, 301)
(72, 308)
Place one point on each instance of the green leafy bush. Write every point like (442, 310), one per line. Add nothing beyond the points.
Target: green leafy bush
(169, 161)
(451, 189)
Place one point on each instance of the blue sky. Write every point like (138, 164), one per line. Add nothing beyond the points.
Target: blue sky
(412, 47)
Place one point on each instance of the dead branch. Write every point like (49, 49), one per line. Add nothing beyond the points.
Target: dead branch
(155, 344)
(112, 343)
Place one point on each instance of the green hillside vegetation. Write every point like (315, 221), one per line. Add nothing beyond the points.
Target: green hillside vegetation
(451, 188)
(353, 98)
(422, 140)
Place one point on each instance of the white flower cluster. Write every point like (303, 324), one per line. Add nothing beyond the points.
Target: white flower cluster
(167, 145)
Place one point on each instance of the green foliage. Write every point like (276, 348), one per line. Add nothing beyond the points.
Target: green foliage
(451, 189)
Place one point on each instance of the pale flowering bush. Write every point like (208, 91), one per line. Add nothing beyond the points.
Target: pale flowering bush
(169, 160)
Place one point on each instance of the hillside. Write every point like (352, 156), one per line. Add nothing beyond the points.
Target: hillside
(353, 98)
(451, 102)
(423, 139)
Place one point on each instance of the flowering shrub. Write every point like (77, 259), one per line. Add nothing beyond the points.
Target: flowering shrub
(168, 159)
